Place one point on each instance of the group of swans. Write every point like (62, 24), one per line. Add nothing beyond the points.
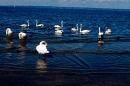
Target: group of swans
(28, 24)
(21, 35)
(81, 31)
(41, 48)
(59, 29)
(100, 34)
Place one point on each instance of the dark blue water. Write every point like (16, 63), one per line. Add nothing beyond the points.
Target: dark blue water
(71, 53)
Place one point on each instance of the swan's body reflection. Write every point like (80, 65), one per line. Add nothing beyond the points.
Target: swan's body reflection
(9, 42)
(22, 46)
(41, 65)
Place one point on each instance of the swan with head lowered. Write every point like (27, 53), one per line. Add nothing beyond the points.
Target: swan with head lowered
(22, 36)
(75, 29)
(108, 31)
(9, 32)
(58, 26)
(39, 25)
(84, 31)
(25, 25)
(42, 48)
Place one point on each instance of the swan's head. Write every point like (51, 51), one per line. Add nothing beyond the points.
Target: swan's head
(27, 20)
(43, 43)
(8, 29)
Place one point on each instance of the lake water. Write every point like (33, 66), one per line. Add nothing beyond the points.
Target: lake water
(70, 53)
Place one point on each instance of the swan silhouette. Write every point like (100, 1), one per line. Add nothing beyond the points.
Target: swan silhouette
(39, 25)
(25, 25)
(42, 48)
(9, 32)
(84, 31)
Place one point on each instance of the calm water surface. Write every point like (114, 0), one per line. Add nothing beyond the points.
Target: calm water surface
(71, 52)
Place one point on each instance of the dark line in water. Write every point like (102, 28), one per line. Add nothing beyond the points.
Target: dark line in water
(67, 52)
(24, 72)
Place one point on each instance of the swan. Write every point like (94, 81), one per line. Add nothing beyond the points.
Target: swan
(75, 29)
(39, 25)
(22, 36)
(108, 31)
(25, 25)
(100, 34)
(84, 31)
(9, 32)
(60, 31)
(41, 48)
(58, 26)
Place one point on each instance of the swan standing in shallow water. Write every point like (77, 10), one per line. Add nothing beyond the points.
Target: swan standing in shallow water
(84, 31)
(39, 25)
(41, 48)
(100, 37)
(22, 36)
(25, 25)
(9, 32)
(100, 34)
(108, 31)
(58, 26)
(75, 29)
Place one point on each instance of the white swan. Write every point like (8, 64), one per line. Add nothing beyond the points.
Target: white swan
(100, 33)
(39, 25)
(84, 31)
(108, 31)
(22, 36)
(58, 26)
(25, 25)
(75, 29)
(41, 48)
(59, 31)
(9, 32)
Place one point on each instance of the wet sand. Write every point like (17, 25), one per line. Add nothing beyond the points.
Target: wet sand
(64, 80)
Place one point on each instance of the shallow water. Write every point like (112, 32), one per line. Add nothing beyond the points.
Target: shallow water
(71, 52)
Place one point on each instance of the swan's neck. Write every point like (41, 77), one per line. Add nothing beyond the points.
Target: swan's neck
(61, 23)
(80, 28)
(77, 27)
(28, 23)
(36, 23)
(99, 29)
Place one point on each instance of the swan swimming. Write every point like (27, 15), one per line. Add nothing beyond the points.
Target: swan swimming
(22, 36)
(25, 25)
(39, 25)
(108, 31)
(100, 34)
(59, 32)
(41, 48)
(84, 31)
(75, 29)
(9, 32)
(58, 26)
